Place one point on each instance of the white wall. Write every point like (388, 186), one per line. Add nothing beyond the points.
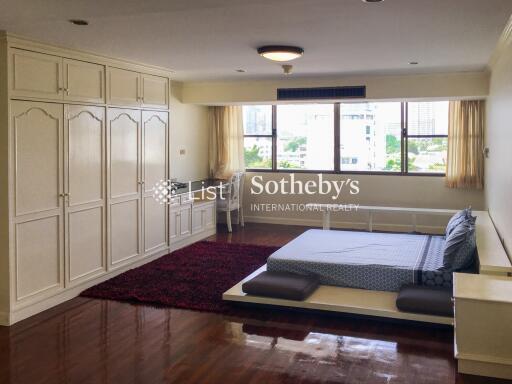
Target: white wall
(448, 85)
(498, 172)
(189, 131)
(401, 191)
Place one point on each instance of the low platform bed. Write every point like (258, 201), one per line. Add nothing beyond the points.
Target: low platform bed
(381, 303)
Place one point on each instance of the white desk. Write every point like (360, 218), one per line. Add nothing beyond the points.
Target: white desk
(326, 210)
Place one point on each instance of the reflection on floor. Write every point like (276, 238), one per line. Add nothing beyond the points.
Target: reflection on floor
(94, 341)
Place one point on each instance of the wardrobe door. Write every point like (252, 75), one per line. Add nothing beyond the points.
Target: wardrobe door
(36, 75)
(155, 91)
(36, 155)
(124, 186)
(84, 190)
(123, 87)
(84, 82)
(154, 171)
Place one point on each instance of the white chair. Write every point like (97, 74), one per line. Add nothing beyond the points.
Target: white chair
(232, 199)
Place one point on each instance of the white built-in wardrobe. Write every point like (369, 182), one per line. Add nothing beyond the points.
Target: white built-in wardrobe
(88, 138)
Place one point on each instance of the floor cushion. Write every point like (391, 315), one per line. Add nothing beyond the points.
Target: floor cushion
(281, 285)
(426, 300)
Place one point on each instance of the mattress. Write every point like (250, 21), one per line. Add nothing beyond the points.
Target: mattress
(367, 260)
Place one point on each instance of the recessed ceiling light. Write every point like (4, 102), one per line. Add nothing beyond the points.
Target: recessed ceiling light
(280, 52)
(413, 63)
(79, 22)
(373, 1)
(240, 70)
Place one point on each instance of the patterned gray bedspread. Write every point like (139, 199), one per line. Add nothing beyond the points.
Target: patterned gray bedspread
(376, 261)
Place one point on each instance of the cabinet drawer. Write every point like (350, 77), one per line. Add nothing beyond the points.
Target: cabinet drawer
(155, 91)
(84, 81)
(36, 75)
(123, 87)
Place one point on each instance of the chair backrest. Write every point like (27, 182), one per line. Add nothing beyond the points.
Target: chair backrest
(235, 189)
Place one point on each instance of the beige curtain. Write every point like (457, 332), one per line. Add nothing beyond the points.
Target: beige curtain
(465, 165)
(226, 151)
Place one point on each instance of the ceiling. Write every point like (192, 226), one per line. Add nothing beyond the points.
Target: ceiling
(210, 39)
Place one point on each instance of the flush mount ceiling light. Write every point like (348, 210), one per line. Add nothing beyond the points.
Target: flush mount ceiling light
(280, 52)
(79, 22)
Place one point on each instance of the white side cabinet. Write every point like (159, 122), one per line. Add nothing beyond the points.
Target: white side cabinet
(483, 326)
(190, 220)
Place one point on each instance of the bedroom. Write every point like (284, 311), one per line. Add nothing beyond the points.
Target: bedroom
(159, 156)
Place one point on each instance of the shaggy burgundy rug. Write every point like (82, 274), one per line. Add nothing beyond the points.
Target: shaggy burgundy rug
(191, 278)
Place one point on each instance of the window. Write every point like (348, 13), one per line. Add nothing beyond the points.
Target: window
(380, 137)
(378, 152)
(305, 137)
(427, 136)
(257, 121)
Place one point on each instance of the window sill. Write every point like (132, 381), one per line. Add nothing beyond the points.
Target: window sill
(377, 173)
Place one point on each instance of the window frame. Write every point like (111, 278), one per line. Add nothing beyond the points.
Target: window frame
(404, 136)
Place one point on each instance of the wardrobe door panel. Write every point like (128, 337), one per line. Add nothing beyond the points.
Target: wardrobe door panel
(86, 154)
(124, 87)
(84, 82)
(155, 91)
(36, 155)
(124, 231)
(36, 75)
(154, 166)
(86, 245)
(124, 153)
(155, 228)
(38, 256)
(124, 186)
(85, 193)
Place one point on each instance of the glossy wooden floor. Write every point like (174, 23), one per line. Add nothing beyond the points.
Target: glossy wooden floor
(94, 341)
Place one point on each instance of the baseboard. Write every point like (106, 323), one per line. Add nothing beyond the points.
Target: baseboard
(4, 319)
(30, 309)
(482, 368)
(344, 224)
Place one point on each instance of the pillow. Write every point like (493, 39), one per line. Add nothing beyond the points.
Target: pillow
(460, 247)
(459, 217)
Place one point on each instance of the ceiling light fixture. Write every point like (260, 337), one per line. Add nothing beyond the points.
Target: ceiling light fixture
(373, 1)
(240, 70)
(79, 22)
(280, 52)
(413, 63)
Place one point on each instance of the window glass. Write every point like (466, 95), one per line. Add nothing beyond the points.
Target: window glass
(258, 152)
(305, 136)
(257, 119)
(370, 137)
(427, 155)
(428, 118)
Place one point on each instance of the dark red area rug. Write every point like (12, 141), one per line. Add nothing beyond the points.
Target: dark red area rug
(194, 277)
